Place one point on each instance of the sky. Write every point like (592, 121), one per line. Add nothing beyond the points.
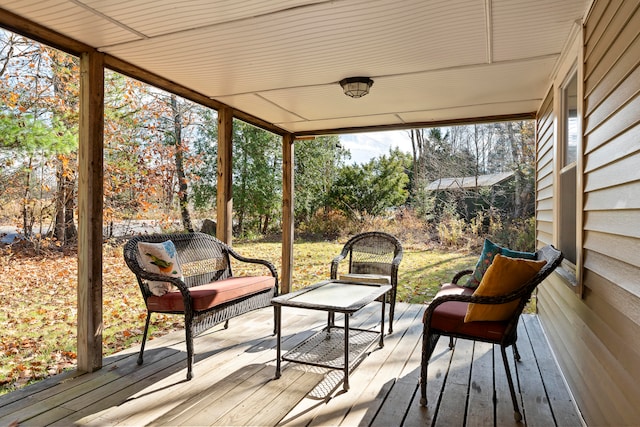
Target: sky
(366, 146)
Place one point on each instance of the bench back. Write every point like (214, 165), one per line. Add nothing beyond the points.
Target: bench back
(203, 258)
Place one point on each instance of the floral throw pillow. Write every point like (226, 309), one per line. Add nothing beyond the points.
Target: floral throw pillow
(160, 258)
(489, 252)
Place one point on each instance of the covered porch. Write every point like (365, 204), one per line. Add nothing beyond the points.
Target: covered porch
(278, 66)
(234, 382)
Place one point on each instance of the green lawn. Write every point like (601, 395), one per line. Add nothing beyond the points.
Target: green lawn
(420, 275)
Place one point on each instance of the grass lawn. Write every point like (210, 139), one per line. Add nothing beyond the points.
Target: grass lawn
(421, 271)
(38, 299)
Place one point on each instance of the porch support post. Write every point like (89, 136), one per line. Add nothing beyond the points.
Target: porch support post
(287, 213)
(90, 192)
(224, 201)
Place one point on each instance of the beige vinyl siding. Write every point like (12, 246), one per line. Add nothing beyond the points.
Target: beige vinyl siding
(544, 173)
(597, 338)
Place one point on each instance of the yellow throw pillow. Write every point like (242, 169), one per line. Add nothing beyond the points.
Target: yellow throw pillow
(503, 276)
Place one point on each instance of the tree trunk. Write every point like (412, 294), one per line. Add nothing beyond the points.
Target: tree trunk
(65, 227)
(27, 222)
(515, 154)
(58, 229)
(70, 232)
(179, 158)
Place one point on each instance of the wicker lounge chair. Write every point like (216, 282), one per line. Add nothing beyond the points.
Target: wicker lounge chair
(372, 257)
(208, 293)
(446, 313)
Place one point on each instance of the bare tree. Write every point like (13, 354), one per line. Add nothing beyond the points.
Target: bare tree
(179, 160)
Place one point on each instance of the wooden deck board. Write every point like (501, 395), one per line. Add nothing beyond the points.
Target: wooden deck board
(307, 412)
(237, 351)
(480, 411)
(502, 397)
(234, 381)
(534, 398)
(438, 368)
(562, 404)
(451, 410)
(334, 411)
(375, 394)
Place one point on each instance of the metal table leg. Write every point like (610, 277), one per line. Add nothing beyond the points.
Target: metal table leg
(382, 325)
(346, 352)
(278, 310)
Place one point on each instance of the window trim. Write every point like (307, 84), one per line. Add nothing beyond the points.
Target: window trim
(571, 274)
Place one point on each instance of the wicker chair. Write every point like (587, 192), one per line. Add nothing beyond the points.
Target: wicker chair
(445, 316)
(376, 254)
(205, 263)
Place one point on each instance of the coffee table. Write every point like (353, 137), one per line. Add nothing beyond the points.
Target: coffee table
(334, 347)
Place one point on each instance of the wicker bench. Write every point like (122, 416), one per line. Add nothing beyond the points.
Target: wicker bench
(208, 293)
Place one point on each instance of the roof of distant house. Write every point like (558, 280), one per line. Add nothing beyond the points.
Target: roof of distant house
(470, 181)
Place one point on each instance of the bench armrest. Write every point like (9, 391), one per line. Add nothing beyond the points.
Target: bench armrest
(263, 262)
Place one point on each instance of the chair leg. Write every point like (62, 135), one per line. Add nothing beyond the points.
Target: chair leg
(451, 343)
(392, 309)
(429, 342)
(189, 341)
(275, 320)
(144, 337)
(516, 411)
(516, 353)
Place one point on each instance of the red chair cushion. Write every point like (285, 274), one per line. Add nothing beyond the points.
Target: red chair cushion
(449, 317)
(212, 294)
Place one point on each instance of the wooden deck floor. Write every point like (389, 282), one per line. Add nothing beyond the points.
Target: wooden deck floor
(234, 385)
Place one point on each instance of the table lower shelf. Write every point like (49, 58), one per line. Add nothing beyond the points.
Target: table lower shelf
(326, 347)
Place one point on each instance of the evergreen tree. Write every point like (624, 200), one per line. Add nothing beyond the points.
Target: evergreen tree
(372, 188)
(316, 165)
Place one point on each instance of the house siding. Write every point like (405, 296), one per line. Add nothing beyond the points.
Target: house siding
(544, 172)
(597, 337)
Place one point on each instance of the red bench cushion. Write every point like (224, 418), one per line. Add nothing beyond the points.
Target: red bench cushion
(449, 317)
(212, 294)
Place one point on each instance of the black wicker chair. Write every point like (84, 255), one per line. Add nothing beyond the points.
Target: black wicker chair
(450, 321)
(205, 261)
(372, 253)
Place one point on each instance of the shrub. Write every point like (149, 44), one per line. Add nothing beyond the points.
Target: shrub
(517, 234)
(326, 224)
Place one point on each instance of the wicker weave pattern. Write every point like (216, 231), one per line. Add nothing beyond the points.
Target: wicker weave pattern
(203, 259)
(373, 252)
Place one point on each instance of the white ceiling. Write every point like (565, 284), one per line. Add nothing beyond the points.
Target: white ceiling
(281, 60)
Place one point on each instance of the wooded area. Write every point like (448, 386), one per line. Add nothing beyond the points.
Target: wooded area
(161, 151)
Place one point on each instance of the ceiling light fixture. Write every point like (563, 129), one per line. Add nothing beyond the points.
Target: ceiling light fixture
(356, 87)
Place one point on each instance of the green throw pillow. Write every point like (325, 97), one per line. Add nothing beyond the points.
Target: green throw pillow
(517, 254)
(489, 252)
